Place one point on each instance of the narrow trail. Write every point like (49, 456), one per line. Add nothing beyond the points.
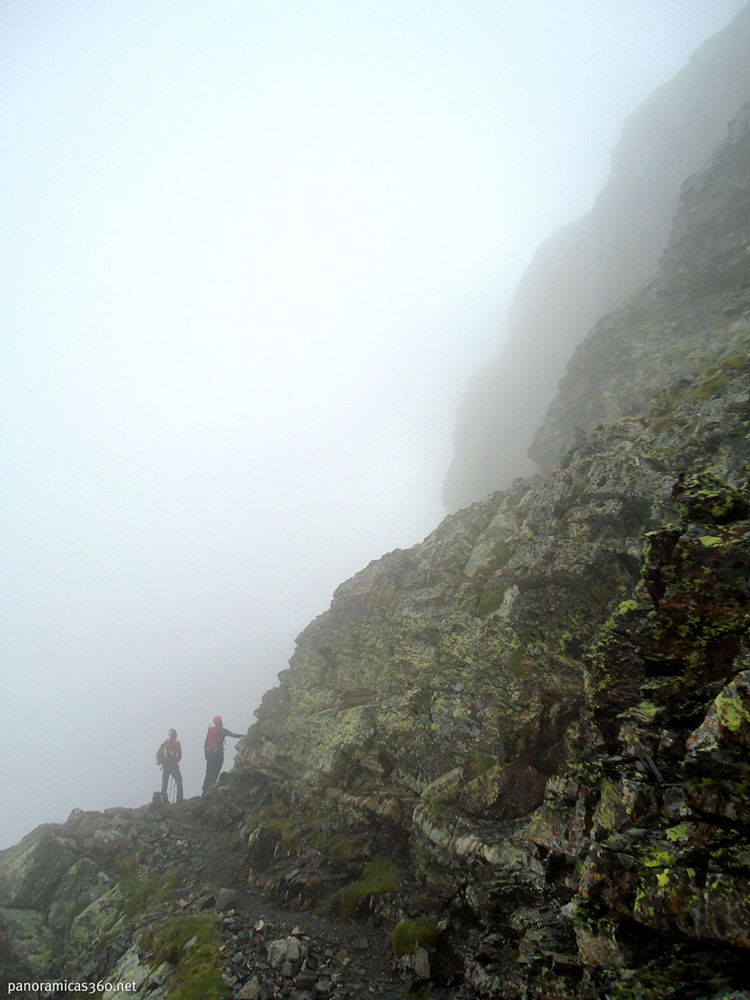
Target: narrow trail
(273, 950)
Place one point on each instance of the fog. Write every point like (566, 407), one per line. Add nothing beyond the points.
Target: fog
(251, 254)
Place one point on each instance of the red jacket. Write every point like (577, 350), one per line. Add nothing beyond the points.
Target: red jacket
(172, 750)
(215, 739)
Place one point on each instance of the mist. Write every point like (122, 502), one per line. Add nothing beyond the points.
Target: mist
(251, 255)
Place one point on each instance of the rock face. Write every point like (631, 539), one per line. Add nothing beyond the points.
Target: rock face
(540, 713)
(511, 761)
(589, 267)
(690, 318)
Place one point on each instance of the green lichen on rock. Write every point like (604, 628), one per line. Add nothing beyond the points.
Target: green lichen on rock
(492, 597)
(26, 941)
(732, 710)
(91, 927)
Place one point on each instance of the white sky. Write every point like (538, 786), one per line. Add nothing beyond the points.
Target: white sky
(250, 254)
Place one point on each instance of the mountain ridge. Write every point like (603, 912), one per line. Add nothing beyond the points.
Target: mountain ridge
(591, 265)
(508, 761)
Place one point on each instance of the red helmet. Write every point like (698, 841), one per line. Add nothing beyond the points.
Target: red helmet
(217, 720)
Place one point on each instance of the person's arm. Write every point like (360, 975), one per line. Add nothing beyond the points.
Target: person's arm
(179, 750)
(237, 736)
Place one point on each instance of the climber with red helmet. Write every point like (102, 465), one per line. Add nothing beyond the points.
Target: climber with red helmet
(213, 749)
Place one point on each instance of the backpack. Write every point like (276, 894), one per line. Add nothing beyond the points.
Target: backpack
(210, 745)
(165, 753)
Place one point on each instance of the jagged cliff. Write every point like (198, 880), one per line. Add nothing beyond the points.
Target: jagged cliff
(509, 761)
(590, 266)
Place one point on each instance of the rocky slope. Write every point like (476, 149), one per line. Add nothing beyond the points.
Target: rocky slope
(510, 761)
(589, 267)
(686, 319)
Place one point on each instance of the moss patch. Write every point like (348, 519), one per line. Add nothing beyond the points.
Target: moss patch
(141, 892)
(197, 968)
(407, 934)
(379, 877)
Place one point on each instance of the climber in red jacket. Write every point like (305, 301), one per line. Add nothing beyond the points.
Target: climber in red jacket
(213, 749)
(168, 756)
